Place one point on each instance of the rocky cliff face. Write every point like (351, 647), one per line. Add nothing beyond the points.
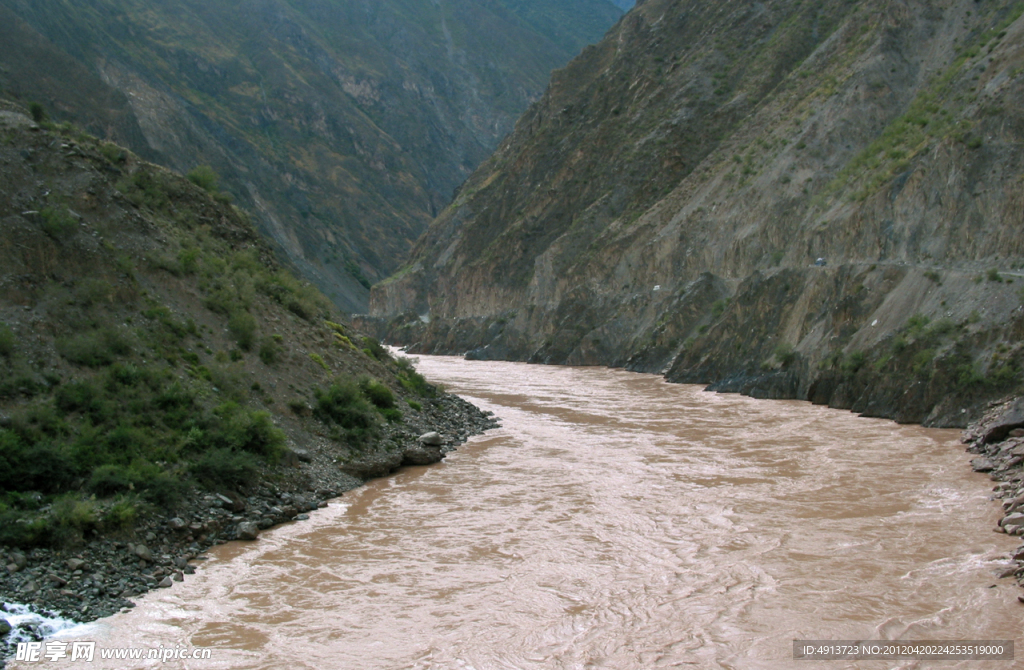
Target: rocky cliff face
(665, 205)
(344, 126)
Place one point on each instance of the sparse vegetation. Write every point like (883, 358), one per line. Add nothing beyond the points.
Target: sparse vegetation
(271, 350)
(7, 341)
(38, 112)
(242, 326)
(344, 406)
(97, 348)
(205, 178)
(58, 223)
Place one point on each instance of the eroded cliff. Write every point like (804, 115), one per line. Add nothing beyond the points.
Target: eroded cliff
(665, 205)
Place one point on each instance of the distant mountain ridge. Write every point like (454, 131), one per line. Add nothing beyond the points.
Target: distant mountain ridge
(344, 125)
(665, 205)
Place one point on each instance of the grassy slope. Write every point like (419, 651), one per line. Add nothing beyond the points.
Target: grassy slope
(150, 343)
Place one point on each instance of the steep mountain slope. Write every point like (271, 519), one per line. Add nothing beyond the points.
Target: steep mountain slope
(153, 351)
(344, 125)
(664, 205)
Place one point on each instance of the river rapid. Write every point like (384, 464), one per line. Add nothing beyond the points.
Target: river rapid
(613, 521)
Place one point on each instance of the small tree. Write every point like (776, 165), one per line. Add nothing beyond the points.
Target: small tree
(38, 112)
(205, 178)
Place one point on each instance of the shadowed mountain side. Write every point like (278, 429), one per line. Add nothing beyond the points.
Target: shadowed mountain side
(345, 126)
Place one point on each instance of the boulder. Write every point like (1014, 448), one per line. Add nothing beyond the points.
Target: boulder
(982, 464)
(431, 439)
(143, 552)
(177, 523)
(422, 454)
(373, 465)
(1015, 519)
(165, 583)
(5, 627)
(248, 530)
(75, 564)
(1011, 418)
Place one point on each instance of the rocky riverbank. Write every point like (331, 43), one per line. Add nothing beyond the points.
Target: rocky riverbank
(102, 576)
(998, 439)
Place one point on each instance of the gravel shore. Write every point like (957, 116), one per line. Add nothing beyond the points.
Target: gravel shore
(998, 439)
(102, 576)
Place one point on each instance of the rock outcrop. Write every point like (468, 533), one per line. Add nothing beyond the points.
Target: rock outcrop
(818, 201)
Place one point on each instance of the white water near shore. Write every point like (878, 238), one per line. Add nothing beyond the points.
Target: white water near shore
(613, 521)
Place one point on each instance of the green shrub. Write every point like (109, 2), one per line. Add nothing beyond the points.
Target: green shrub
(162, 490)
(108, 480)
(853, 362)
(91, 291)
(377, 393)
(38, 112)
(33, 466)
(916, 324)
(242, 326)
(376, 349)
(993, 275)
(239, 429)
(84, 397)
(97, 348)
(19, 529)
(412, 380)
(270, 350)
(71, 519)
(58, 223)
(113, 153)
(121, 515)
(319, 360)
(784, 354)
(204, 177)
(922, 363)
(7, 341)
(145, 188)
(415, 405)
(718, 307)
(392, 415)
(223, 467)
(343, 404)
(188, 260)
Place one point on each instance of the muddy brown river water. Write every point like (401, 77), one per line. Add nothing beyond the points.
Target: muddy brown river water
(613, 521)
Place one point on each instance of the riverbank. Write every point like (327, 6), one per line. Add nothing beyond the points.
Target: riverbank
(102, 576)
(998, 439)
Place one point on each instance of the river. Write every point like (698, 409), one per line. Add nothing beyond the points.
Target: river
(613, 521)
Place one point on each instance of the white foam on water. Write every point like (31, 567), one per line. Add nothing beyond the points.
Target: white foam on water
(29, 626)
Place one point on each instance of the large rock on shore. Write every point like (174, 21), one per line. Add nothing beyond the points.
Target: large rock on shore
(422, 454)
(1011, 417)
(248, 531)
(379, 464)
